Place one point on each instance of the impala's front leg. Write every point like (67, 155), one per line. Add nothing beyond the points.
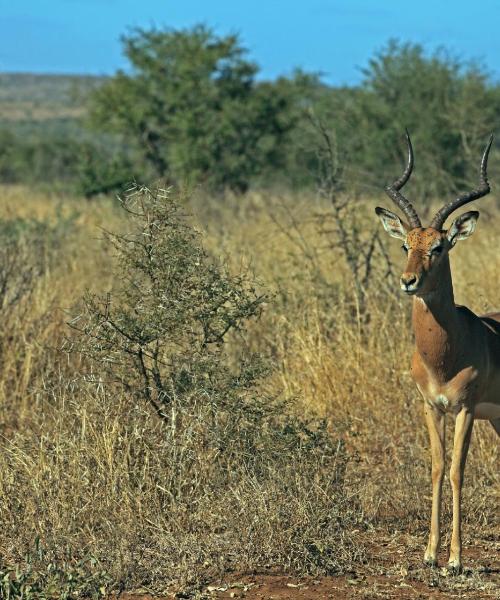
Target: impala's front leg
(436, 425)
(463, 432)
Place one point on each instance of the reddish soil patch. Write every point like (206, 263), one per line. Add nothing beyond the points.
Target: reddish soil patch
(268, 587)
(393, 571)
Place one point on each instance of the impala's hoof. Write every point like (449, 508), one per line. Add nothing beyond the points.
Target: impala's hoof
(431, 562)
(454, 567)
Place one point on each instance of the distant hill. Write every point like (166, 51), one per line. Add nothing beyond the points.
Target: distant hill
(44, 138)
(33, 98)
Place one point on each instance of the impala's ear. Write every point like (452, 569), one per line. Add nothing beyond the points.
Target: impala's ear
(462, 227)
(392, 223)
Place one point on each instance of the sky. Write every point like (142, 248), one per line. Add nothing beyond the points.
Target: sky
(333, 37)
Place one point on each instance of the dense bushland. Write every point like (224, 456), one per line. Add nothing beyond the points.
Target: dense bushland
(191, 108)
(235, 131)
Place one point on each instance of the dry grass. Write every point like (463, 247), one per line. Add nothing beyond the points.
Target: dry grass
(83, 469)
(356, 373)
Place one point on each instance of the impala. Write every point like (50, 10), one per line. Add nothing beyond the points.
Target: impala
(456, 363)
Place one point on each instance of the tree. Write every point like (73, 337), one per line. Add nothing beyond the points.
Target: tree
(448, 106)
(192, 110)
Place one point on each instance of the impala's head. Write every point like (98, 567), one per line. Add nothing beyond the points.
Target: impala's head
(427, 247)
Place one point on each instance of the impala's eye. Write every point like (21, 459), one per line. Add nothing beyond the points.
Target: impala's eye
(405, 248)
(437, 250)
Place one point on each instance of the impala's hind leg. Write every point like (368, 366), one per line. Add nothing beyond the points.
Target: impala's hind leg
(496, 425)
(436, 425)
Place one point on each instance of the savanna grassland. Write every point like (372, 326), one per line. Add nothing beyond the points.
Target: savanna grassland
(212, 466)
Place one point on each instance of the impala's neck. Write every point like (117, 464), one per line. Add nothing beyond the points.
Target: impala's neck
(435, 322)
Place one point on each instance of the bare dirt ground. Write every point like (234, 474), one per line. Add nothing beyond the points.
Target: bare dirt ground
(394, 570)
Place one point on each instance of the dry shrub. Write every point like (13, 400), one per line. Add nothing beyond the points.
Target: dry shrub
(157, 457)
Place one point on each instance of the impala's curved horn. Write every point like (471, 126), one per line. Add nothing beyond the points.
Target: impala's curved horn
(398, 198)
(482, 190)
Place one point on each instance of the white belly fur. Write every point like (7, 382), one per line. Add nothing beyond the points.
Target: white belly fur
(487, 410)
(483, 410)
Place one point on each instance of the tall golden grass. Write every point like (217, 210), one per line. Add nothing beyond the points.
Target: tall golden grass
(65, 452)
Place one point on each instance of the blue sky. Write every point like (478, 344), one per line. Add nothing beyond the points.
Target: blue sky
(334, 37)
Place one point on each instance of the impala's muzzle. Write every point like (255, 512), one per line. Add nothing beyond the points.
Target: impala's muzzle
(410, 282)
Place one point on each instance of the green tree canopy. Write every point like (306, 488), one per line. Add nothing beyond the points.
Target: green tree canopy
(449, 107)
(192, 110)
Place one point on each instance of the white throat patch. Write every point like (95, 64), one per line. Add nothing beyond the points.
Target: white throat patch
(442, 400)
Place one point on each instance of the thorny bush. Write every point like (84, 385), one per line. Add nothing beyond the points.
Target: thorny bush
(162, 329)
(243, 484)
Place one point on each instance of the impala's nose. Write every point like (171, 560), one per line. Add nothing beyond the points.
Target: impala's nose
(409, 282)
